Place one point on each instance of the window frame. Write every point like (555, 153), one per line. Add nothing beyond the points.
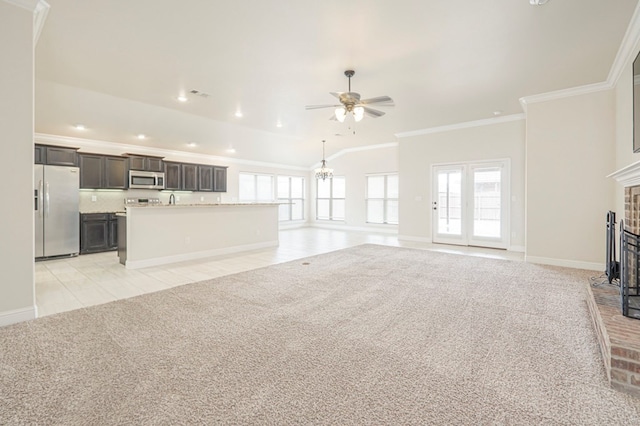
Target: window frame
(291, 199)
(255, 181)
(331, 199)
(385, 199)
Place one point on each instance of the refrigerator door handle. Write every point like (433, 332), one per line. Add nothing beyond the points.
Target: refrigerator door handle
(46, 199)
(40, 206)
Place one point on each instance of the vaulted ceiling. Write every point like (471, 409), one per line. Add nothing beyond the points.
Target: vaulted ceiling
(117, 66)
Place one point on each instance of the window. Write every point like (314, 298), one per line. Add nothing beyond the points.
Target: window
(255, 187)
(291, 191)
(382, 199)
(330, 198)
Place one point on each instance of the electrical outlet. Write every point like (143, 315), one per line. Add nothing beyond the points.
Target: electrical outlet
(202, 198)
(187, 240)
(94, 198)
(177, 198)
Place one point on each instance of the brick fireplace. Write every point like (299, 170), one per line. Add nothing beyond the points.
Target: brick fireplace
(619, 336)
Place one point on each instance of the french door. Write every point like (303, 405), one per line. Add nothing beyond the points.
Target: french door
(470, 204)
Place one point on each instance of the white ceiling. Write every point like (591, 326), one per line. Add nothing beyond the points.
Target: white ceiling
(117, 66)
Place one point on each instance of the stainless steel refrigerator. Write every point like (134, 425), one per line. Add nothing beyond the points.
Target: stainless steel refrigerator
(56, 210)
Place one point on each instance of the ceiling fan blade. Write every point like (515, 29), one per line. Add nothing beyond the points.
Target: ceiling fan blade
(320, 106)
(373, 112)
(378, 100)
(336, 94)
(333, 118)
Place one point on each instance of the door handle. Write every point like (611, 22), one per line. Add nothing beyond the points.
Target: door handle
(40, 206)
(47, 201)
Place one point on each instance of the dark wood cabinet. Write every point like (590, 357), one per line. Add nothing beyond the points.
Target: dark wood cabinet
(172, 176)
(189, 177)
(149, 164)
(55, 155)
(113, 232)
(98, 232)
(219, 179)
(205, 178)
(59, 156)
(91, 171)
(102, 171)
(39, 155)
(115, 173)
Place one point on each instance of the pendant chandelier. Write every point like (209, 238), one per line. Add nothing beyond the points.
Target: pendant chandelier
(323, 172)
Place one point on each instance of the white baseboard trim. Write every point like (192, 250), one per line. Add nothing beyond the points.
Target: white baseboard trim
(292, 225)
(592, 266)
(18, 315)
(381, 230)
(416, 239)
(519, 249)
(156, 261)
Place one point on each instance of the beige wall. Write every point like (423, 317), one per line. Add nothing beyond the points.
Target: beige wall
(354, 166)
(624, 126)
(16, 173)
(417, 154)
(570, 151)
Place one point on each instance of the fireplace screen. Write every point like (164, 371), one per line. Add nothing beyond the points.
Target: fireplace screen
(629, 273)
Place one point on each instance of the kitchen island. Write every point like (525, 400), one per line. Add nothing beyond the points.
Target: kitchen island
(157, 235)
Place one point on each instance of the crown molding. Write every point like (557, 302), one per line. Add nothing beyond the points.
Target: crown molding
(625, 53)
(564, 93)
(40, 10)
(464, 125)
(116, 148)
(356, 149)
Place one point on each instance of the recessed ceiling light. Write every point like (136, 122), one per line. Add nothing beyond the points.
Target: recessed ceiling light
(238, 113)
(142, 136)
(498, 112)
(80, 127)
(231, 151)
(182, 98)
(279, 124)
(192, 144)
(537, 2)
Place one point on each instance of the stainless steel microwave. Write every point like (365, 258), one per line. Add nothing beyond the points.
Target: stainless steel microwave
(146, 180)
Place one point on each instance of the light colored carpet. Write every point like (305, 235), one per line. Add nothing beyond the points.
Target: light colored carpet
(366, 335)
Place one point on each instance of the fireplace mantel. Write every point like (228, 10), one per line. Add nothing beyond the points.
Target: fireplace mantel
(628, 176)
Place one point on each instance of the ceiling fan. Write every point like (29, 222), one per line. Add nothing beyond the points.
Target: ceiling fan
(350, 102)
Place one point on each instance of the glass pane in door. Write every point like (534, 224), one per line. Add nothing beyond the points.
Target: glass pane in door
(487, 202)
(449, 205)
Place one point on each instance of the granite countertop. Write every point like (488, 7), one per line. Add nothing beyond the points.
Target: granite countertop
(206, 205)
(103, 212)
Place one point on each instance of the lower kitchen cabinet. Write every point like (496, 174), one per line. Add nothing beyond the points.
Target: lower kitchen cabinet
(98, 232)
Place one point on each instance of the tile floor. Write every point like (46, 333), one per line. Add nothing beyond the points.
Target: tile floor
(87, 280)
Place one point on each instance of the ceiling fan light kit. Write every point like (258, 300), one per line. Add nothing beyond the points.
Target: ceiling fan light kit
(351, 104)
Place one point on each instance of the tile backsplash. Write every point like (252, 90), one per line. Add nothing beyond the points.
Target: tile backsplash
(107, 201)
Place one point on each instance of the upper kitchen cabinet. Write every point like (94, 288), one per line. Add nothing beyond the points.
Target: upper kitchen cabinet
(219, 179)
(205, 178)
(172, 176)
(115, 172)
(189, 177)
(103, 171)
(39, 154)
(91, 171)
(149, 164)
(56, 155)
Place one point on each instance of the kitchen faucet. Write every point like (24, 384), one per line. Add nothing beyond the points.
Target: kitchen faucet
(172, 199)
